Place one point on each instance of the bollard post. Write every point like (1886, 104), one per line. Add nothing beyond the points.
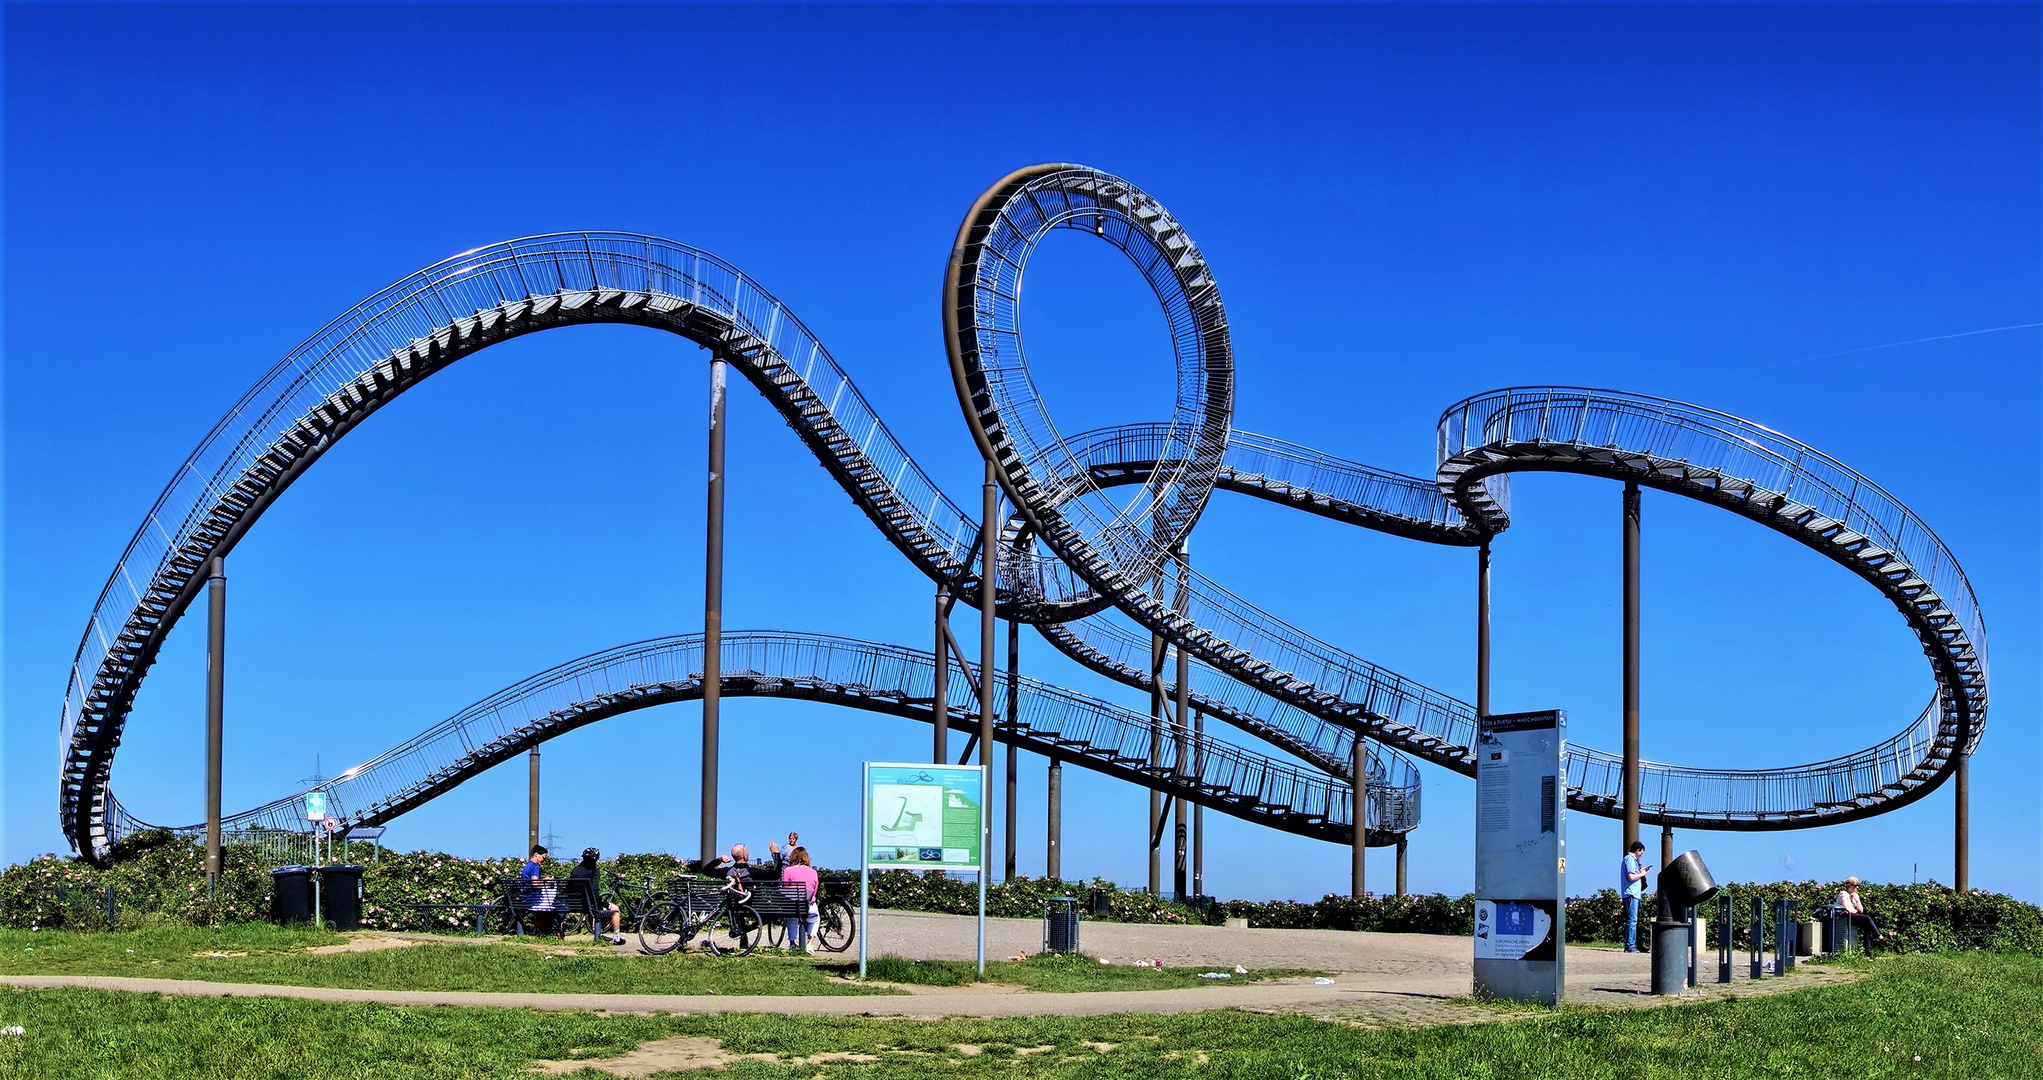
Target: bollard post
(109, 907)
(1725, 934)
(1695, 946)
(1791, 934)
(1758, 937)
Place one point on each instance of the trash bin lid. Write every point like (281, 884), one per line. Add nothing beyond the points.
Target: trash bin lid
(284, 870)
(341, 868)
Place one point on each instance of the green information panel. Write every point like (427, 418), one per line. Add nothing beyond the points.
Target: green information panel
(926, 816)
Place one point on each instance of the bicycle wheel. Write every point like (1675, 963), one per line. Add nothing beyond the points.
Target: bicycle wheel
(731, 931)
(773, 934)
(836, 925)
(662, 928)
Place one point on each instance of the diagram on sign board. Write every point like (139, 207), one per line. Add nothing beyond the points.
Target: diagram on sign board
(924, 815)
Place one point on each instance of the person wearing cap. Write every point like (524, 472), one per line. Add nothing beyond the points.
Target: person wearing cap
(585, 872)
(1853, 910)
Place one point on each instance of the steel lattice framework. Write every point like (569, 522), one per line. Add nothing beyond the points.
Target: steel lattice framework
(1066, 562)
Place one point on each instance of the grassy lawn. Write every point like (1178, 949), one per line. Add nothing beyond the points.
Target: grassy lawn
(1970, 1015)
(278, 956)
(1059, 974)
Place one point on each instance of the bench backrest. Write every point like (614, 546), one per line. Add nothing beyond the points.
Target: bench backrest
(548, 894)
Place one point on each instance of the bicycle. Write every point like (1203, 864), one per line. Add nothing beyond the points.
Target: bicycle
(836, 917)
(728, 926)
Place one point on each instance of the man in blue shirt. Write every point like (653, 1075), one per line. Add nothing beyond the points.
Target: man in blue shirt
(1632, 886)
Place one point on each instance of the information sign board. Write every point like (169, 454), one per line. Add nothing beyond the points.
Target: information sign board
(315, 805)
(925, 817)
(922, 817)
(1521, 856)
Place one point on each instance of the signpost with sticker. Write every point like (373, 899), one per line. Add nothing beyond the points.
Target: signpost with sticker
(921, 817)
(1521, 856)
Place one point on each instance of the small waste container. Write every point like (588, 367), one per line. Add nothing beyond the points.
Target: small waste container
(1060, 925)
(1100, 905)
(341, 895)
(1805, 939)
(291, 894)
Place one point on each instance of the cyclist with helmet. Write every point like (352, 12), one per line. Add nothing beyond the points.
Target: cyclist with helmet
(585, 871)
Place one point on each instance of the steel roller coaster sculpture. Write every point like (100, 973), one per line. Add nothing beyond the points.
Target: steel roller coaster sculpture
(1077, 569)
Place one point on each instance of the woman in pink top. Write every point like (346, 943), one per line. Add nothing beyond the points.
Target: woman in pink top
(798, 869)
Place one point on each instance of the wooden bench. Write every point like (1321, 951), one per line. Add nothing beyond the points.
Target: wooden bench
(544, 901)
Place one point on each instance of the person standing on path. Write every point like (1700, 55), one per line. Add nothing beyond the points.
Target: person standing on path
(1632, 881)
(798, 870)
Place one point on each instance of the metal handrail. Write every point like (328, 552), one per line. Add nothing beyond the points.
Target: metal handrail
(843, 671)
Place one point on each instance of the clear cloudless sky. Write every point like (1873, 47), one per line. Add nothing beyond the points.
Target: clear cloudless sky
(1404, 205)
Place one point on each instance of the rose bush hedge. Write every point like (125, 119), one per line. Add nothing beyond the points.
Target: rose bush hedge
(155, 876)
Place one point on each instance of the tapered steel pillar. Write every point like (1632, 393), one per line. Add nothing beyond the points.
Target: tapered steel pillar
(1630, 780)
(1358, 787)
(532, 800)
(1180, 806)
(713, 611)
(216, 708)
(940, 680)
(989, 594)
(1013, 725)
(1401, 838)
(1054, 795)
(1153, 828)
(1961, 872)
(1483, 630)
(1198, 811)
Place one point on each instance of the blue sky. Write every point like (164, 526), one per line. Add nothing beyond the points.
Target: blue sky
(1403, 206)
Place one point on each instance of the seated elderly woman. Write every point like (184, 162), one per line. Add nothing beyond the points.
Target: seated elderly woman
(1853, 910)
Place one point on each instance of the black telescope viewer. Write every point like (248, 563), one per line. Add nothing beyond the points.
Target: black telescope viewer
(1683, 884)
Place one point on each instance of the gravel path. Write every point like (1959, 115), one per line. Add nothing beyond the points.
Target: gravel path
(1379, 979)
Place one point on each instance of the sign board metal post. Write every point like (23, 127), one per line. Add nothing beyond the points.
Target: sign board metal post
(1521, 854)
(922, 817)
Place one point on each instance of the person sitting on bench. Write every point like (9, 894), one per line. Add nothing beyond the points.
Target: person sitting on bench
(530, 874)
(1853, 911)
(585, 872)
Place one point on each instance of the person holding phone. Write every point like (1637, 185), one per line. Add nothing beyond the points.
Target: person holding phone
(1632, 886)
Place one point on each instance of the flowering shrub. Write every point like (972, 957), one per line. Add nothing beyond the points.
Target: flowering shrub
(157, 876)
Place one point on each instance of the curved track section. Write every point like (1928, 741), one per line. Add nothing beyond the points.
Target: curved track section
(405, 333)
(1042, 471)
(1791, 488)
(854, 674)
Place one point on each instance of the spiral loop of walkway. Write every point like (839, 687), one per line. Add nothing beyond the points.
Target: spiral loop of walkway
(1305, 695)
(853, 674)
(1674, 447)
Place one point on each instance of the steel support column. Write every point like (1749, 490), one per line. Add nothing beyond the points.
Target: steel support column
(1013, 755)
(1054, 795)
(1630, 780)
(531, 800)
(216, 708)
(1358, 788)
(1961, 871)
(1153, 828)
(989, 594)
(940, 680)
(1401, 838)
(1198, 811)
(1483, 630)
(1180, 725)
(713, 611)
(1666, 846)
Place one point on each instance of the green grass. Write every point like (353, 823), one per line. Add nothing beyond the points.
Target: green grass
(276, 956)
(1958, 1015)
(1060, 974)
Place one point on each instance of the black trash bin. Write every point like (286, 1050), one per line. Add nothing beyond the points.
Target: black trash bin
(1101, 905)
(1060, 925)
(291, 894)
(341, 895)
